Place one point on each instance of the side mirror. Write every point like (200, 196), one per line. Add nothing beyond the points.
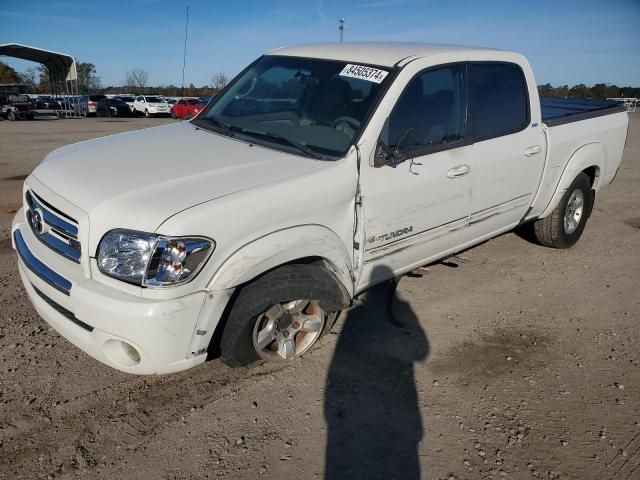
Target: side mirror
(383, 155)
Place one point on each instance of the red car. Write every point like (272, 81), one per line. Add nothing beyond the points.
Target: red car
(187, 108)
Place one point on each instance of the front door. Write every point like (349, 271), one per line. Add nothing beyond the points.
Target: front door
(418, 209)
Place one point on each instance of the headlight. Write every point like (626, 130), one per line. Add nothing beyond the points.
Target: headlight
(152, 260)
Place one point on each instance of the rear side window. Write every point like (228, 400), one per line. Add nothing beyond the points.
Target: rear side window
(499, 98)
(430, 113)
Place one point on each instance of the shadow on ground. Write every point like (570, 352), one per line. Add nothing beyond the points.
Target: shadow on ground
(371, 402)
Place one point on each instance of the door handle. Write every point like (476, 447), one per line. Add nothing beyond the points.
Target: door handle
(532, 151)
(459, 171)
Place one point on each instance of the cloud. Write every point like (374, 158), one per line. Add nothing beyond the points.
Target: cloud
(320, 9)
(384, 4)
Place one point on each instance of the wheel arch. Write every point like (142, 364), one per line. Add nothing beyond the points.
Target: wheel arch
(309, 244)
(300, 244)
(589, 159)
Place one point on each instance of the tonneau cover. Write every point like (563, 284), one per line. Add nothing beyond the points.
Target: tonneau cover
(556, 111)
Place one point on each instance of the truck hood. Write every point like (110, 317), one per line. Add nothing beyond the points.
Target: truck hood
(139, 179)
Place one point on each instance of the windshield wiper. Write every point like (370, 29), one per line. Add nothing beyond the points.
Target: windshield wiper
(232, 129)
(217, 122)
(294, 143)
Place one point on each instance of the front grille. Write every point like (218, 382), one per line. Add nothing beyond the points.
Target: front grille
(63, 311)
(52, 227)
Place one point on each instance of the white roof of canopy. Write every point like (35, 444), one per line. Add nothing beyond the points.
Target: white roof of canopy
(60, 65)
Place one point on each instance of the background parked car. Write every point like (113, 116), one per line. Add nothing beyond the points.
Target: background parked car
(16, 107)
(187, 108)
(171, 102)
(151, 105)
(47, 102)
(88, 103)
(112, 107)
(14, 102)
(128, 100)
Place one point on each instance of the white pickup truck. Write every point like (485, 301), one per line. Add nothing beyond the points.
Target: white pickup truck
(319, 171)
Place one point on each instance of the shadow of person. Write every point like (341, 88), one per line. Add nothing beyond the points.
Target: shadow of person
(371, 402)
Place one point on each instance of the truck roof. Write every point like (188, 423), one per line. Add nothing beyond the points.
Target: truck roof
(385, 54)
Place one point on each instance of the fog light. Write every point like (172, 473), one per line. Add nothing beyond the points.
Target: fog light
(122, 353)
(131, 352)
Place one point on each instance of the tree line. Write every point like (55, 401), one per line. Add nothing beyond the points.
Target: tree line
(137, 80)
(599, 90)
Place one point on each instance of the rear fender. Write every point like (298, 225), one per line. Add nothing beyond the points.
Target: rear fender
(589, 155)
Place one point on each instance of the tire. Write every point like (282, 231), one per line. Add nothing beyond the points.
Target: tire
(555, 230)
(11, 117)
(146, 113)
(189, 116)
(282, 286)
(172, 114)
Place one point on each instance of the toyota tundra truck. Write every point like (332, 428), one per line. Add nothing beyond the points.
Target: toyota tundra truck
(319, 171)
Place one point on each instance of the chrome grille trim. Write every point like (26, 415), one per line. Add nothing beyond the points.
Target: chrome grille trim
(51, 216)
(40, 269)
(60, 235)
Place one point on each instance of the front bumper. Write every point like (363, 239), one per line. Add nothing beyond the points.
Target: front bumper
(109, 324)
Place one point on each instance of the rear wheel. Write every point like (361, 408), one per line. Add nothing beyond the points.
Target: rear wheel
(280, 316)
(146, 113)
(564, 226)
(11, 116)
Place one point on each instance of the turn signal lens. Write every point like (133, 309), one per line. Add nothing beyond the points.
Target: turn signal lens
(176, 260)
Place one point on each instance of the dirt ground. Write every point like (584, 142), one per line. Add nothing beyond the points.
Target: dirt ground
(518, 362)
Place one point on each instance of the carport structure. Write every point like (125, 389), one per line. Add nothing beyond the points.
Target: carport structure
(63, 74)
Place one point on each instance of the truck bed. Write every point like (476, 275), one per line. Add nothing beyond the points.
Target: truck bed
(558, 111)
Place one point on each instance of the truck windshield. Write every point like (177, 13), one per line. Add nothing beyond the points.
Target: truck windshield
(314, 106)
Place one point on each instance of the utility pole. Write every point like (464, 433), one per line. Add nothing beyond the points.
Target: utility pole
(184, 56)
(341, 27)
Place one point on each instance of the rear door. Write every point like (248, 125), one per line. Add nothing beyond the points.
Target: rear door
(508, 150)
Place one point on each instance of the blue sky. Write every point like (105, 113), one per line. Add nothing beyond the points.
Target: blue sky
(570, 42)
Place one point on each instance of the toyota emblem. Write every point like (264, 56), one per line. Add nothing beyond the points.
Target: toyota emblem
(35, 219)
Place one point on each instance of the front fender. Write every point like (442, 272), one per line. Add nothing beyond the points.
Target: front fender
(589, 155)
(285, 246)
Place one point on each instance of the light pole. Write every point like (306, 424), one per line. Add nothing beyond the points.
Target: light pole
(184, 56)
(341, 27)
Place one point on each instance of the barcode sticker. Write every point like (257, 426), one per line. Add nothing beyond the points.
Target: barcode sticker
(370, 74)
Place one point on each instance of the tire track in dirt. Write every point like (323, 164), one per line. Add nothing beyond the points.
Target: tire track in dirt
(123, 417)
(628, 464)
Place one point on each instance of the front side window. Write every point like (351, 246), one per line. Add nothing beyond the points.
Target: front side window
(430, 112)
(310, 105)
(499, 98)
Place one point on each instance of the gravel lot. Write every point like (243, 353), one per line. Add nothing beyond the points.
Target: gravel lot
(519, 362)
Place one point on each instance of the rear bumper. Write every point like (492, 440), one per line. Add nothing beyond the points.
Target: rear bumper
(109, 324)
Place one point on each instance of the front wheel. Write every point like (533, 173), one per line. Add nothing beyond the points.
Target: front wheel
(280, 316)
(564, 226)
(11, 117)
